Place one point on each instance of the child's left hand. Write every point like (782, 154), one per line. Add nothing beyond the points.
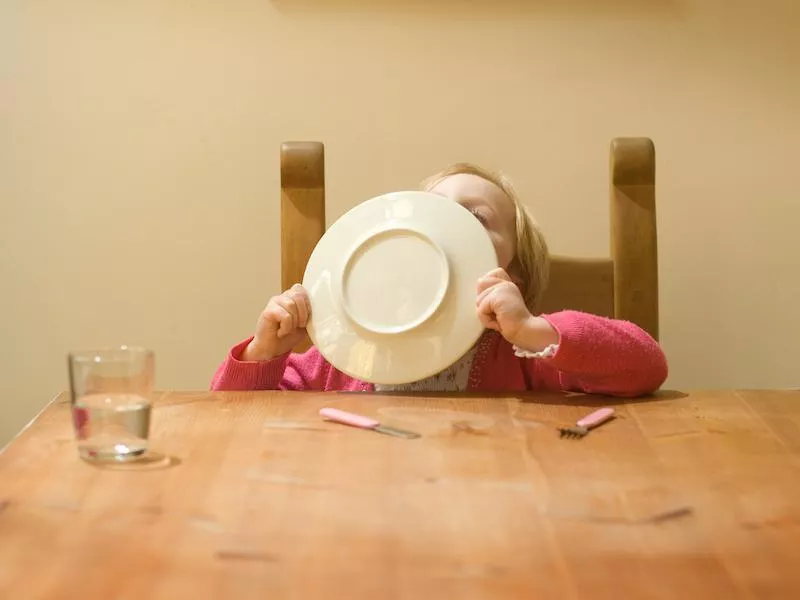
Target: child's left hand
(500, 305)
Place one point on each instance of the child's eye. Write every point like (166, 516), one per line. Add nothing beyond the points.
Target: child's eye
(478, 215)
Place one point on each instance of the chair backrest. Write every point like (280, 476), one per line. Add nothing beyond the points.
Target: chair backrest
(623, 286)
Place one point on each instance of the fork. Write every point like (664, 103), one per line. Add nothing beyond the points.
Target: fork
(590, 421)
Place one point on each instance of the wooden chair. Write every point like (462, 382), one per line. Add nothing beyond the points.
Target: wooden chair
(623, 286)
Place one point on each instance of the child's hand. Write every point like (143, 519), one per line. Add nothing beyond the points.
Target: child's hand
(501, 307)
(281, 326)
(500, 304)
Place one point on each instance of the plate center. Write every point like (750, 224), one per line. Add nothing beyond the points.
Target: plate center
(394, 281)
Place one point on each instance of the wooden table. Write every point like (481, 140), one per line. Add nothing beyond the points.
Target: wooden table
(683, 496)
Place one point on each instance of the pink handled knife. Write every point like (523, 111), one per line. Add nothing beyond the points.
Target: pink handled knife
(346, 418)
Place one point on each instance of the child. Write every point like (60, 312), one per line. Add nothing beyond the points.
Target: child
(520, 350)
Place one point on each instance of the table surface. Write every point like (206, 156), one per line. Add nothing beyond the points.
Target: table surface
(252, 495)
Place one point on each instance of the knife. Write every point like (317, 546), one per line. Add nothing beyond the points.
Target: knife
(346, 418)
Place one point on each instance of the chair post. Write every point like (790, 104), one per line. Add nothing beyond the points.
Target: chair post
(302, 206)
(634, 240)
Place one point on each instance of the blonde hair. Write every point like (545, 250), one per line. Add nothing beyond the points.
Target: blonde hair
(532, 258)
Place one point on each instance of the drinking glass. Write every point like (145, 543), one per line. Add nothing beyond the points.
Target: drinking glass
(111, 399)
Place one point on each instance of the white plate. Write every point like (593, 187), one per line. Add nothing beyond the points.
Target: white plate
(392, 287)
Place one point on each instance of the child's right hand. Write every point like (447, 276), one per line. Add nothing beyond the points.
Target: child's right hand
(281, 326)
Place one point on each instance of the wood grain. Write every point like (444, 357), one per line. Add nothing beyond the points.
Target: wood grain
(634, 239)
(585, 284)
(302, 210)
(624, 285)
(302, 206)
(682, 496)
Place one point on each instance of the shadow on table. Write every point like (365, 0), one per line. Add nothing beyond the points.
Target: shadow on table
(546, 398)
(599, 400)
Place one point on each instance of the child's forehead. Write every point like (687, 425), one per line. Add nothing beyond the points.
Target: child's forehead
(473, 189)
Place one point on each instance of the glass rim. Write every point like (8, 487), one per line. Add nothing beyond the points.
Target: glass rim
(92, 354)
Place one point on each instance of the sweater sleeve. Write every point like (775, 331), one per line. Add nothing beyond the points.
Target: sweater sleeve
(597, 355)
(296, 372)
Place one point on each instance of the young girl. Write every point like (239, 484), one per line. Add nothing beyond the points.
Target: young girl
(520, 349)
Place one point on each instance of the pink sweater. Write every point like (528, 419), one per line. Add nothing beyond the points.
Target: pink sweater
(595, 355)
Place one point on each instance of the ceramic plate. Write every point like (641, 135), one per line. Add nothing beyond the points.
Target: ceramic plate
(392, 287)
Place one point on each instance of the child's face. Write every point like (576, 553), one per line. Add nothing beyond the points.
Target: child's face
(491, 207)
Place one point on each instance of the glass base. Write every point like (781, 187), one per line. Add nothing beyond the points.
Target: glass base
(115, 454)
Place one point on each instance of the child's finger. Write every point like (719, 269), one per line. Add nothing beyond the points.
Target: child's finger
(307, 302)
(482, 296)
(484, 318)
(486, 313)
(288, 324)
(274, 317)
(498, 273)
(297, 291)
(489, 321)
(496, 277)
(302, 308)
(485, 283)
(300, 296)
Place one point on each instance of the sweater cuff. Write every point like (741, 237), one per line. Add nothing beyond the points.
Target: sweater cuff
(548, 352)
(570, 331)
(259, 375)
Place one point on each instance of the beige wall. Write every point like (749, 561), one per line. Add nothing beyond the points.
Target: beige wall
(139, 139)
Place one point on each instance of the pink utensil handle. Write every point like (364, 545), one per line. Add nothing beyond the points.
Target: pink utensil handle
(346, 418)
(594, 419)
